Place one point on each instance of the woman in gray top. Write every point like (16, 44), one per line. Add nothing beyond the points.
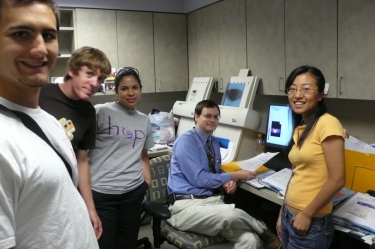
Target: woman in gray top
(120, 168)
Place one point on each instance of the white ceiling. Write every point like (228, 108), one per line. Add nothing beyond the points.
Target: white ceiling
(170, 6)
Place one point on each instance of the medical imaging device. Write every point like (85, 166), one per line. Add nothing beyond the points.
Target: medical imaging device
(239, 123)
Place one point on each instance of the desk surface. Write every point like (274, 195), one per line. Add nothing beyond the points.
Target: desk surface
(263, 192)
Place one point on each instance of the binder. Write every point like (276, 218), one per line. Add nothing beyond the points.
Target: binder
(359, 165)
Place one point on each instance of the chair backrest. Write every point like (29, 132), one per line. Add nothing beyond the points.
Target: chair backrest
(159, 178)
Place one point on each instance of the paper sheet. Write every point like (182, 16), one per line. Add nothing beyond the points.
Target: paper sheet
(354, 144)
(359, 210)
(227, 153)
(159, 147)
(279, 180)
(254, 163)
(369, 239)
(255, 182)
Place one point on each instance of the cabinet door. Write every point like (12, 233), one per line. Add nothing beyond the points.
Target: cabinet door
(194, 69)
(232, 40)
(170, 44)
(311, 37)
(265, 44)
(207, 42)
(97, 28)
(135, 45)
(356, 51)
(66, 40)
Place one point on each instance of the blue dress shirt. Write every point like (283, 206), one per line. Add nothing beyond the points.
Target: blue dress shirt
(189, 172)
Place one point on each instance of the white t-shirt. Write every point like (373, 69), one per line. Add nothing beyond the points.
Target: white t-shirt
(40, 207)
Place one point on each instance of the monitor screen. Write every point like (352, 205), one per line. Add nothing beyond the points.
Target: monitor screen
(279, 126)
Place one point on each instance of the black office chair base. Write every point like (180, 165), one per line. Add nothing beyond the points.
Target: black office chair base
(145, 242)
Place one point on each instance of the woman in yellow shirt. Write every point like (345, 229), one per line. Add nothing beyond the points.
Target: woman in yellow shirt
(317, 156)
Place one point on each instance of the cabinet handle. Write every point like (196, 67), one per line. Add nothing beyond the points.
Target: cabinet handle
(339, 85)
(281, 80)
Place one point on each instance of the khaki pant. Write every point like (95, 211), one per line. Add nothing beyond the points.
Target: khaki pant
(211, 216)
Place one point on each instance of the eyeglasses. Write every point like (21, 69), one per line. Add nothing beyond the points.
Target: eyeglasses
(304, 91)
(126, 69)
(210, 116)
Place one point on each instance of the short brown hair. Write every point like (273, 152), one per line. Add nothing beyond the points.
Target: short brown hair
(90, 57)
(51, 3)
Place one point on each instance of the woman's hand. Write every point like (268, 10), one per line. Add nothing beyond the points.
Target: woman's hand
(301, 223)
(278, 227)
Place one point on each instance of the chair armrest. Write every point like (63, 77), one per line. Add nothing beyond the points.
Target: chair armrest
(156, 210)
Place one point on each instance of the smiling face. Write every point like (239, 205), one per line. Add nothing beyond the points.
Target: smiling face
(84, 83)
(128, 92)
(207, 121)
(304, 103)
(28, 46)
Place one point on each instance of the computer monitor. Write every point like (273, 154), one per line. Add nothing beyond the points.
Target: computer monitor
(279, 129)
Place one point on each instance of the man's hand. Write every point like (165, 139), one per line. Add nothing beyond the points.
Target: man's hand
(230, 187)
(96, 223)
(243, 175)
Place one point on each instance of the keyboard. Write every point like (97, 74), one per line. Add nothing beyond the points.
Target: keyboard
(277, 164)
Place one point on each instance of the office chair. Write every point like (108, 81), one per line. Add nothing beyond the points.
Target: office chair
(144, 241)
(157, 207)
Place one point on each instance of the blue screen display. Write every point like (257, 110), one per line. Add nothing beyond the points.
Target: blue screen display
(279, 125)
(233, 94)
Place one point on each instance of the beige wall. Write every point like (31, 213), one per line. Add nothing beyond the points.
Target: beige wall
(357, 116)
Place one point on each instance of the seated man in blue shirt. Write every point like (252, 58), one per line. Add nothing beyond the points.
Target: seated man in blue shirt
(195, 182)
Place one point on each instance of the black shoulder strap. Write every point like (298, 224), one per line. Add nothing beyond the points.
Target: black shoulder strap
(34, 127)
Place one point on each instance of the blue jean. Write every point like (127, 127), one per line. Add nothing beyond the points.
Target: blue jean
(121, 217)
(319, 235)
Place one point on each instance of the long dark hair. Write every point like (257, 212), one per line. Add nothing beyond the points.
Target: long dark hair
(317, 111)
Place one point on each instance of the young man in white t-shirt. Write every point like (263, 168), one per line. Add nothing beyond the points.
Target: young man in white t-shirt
(40, 206)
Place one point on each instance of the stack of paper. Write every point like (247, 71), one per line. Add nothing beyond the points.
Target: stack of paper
(342, 195)
(358, 213)
(278, 181)
(257, 181)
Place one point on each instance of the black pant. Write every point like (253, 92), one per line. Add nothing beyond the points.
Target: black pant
(120, 217)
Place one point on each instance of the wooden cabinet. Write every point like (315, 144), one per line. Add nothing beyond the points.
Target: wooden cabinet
(311, 37)
(135, 45)
(265, 44)
(66, 39)
(170, 49)
(97, 28)
(217, 41)
(356, 51)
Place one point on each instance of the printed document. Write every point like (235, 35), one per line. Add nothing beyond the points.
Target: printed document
(261, 175)
(279, 180)
(254, 163)
(358, 210)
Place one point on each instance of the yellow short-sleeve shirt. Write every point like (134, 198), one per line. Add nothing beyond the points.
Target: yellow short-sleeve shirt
(310, 170)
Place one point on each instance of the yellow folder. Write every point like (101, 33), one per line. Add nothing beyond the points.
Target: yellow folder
(232, 166)
(360, 171)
